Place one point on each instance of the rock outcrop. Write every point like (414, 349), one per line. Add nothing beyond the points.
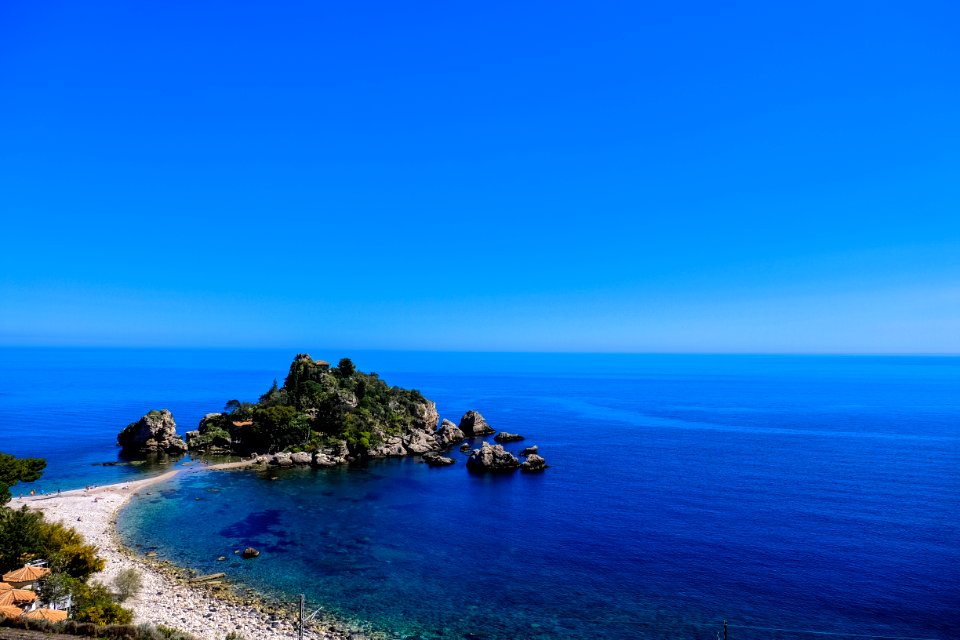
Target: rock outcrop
(533, 463)
(448, 434)
(530, 450)
(154, 433)
(332, 456)
(210, 420)
(419, 441)
(212, 434)
(301, 457)
(282, 459)
(503, 437)
(391, 447)
(474, 424)
(494, 458)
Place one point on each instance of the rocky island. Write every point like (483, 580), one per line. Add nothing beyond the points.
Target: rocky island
(325, 416)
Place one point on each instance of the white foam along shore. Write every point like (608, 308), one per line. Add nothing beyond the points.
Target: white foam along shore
(164, 599)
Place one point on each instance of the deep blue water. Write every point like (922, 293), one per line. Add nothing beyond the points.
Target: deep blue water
(816, 493)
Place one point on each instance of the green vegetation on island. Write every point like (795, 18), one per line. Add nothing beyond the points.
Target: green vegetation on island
(325, 416)
(318, 406)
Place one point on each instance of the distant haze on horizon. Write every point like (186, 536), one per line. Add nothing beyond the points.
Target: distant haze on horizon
(596, 177)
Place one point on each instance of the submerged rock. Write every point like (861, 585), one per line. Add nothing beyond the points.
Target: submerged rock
(474, 424)
(492, 459)
(503, 436)
(154, 433)
(533, 463)
(465, 447)
(250, 552)
(434, 459)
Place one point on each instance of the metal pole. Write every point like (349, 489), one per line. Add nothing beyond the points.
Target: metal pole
(724, 630)
(300, 630)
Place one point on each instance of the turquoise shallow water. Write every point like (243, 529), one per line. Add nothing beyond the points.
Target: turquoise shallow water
(801, 493)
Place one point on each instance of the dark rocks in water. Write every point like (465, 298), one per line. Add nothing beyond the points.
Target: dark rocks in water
(465, 447)
(533, 463)
(434, 459)
(249, 552)
(492, 459)
(154, 433)
(448, 433)
(474, 424)
(530, 450)
(503, 436)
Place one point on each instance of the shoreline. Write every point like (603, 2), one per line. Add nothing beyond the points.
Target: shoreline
(166, 598)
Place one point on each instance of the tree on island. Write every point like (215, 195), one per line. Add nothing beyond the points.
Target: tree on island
(318, 406)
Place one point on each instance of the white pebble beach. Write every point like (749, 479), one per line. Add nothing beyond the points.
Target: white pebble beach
(164, 599)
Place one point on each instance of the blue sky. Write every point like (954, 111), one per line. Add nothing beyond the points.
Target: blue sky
(593, 176)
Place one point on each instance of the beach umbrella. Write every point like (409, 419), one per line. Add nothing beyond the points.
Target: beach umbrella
(51, 615)
(10, 611)
(5, 587)
(16, 596)
(26, 574)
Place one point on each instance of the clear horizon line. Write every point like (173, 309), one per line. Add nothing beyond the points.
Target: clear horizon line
(148, 347)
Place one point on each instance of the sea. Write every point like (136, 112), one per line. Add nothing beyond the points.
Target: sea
(807, 497)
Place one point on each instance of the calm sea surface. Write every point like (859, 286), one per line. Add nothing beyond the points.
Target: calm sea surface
(799, 493)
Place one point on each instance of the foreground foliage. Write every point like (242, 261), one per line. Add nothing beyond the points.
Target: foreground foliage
(90, 630)
(26, 536)
(14, 470)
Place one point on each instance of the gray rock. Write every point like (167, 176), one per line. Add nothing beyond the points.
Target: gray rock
(530, 450)
(434, 459)
(425, 415)
(503, 436)
(448, 433)
(492, 459)
(321, 459)
(154, 433)
(301, 457)
(339, 450)
(282, 459)
(419, 442)
(533, 463)
(474, 424)
(392, 446)
(465, 447)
